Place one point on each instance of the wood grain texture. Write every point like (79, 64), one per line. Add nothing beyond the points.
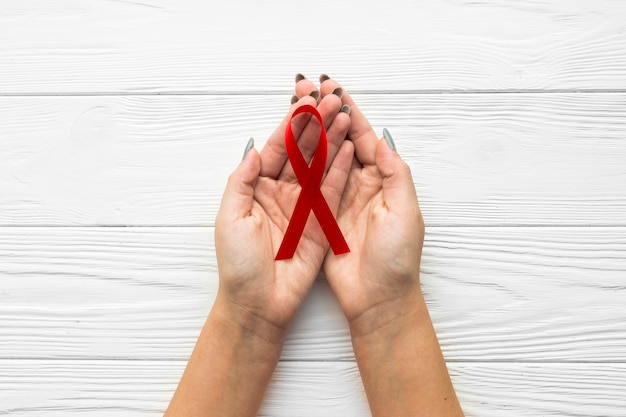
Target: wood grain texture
(131, 114)
(143, 388)
(477, 159)
(495, 294)
(193, 46)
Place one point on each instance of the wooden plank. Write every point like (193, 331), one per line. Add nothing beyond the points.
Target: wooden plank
(190, 46)
(495, 294)
(143, 388)
(477, 159)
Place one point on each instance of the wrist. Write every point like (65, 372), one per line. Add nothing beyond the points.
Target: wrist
(399, 358)
(384, 316)
(246, 328)
(385, 340)
(230, 367)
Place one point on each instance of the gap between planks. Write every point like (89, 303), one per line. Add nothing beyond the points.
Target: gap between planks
(438, 225)
(289, 92)
(293, 360)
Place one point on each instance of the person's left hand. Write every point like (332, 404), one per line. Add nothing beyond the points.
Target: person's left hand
(256, 207)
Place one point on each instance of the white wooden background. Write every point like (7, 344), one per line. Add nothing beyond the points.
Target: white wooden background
(120, 121)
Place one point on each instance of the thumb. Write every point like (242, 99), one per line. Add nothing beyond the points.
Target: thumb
(398, 189)
(239, 193)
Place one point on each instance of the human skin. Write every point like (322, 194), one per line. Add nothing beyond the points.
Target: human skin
(377, 283)
(241, 341)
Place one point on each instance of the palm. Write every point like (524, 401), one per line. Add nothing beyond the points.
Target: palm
(345, 273)
(277, 199)
(385, 235)
(273, 206)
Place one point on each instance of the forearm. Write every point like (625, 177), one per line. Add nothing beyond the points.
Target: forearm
(401, 364)
(230, 367)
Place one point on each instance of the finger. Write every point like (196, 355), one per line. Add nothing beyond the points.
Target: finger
(338, 130)
(335, 181)
(329, 86)
(398, 189)
(274, 154)
(239, 193)
(328, 108)
(337, 133)
(361, 132)
(305, 87)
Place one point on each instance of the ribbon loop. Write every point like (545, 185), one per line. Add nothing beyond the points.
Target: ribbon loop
(311, 197)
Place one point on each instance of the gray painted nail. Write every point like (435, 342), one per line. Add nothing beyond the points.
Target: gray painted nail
(338, 92)
(345, 109)
(249, 146)
(315, 94)
(294, 99)
(323, 78)
(389, 139)
(299, 77)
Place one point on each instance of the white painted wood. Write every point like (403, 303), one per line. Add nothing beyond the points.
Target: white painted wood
(143, 388)
(477, 159)
(495, 294)
(197, 46)
(99, 321)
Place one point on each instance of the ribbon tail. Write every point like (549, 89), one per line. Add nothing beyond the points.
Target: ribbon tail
(295, 228)
(329, 225)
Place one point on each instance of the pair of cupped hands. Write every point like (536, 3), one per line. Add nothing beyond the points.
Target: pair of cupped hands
(369, 189)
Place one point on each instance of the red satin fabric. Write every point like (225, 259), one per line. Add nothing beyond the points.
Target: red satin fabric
(311, 197)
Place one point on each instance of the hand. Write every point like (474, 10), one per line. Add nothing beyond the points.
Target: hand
(240, 343)
(258, 201)
(380, 218)
(377, 283)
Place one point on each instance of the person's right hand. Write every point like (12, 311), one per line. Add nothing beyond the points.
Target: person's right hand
(380, 218)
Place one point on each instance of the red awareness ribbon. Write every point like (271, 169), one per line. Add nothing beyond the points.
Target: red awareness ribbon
(311, 197)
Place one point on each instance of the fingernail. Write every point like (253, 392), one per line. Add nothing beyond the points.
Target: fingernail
(338, 92)
(323, 78)
(389, 139)
(315, 94)
(345, 109)
(249, 146)
(299, 77)
(294, 99)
